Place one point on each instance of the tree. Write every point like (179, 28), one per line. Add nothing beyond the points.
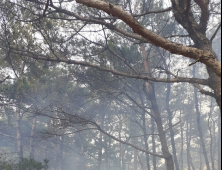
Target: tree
(118, 38)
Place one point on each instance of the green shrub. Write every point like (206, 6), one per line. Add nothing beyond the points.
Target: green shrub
(25, 164)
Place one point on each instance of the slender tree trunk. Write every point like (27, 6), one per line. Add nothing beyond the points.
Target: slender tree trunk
(145, 134)
(133, 132)
(107, 146)
(146, 142)
(150, 88)
(188, 144)
(100, 142)
(32, 138)
(215, 141)
(158, 120)
(199, 127)
(57, 151)
(18, 133)
(120, 146)
(189, 158)
(201, 159)
(191, 162)
(153, 144)
(211, 138)
(135, 159)
(61, 152)
(171, 126)
(182, 142)
(219, 144)
(107, 149)
(141, 163)
(82, 158)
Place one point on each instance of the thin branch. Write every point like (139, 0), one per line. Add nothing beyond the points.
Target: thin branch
(127, 143)
(201, 90)
(153, 12)
(115, 72)
(2, 81)
(172, 126)
(215, 33)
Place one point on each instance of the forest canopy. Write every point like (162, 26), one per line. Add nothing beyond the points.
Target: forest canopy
(111, 84)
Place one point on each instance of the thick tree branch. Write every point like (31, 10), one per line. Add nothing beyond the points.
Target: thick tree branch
(206, 57)
(204, 15)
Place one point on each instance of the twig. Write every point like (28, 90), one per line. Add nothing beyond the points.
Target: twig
(215, 33)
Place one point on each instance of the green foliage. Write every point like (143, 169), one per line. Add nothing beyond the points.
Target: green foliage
(24, 164)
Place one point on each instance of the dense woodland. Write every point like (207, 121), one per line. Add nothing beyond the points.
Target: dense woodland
(110, 84)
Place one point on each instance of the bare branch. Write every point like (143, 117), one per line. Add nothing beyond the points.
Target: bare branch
(215, 33)
(201, 90)
(153, 12)
(2, 81)
(127, 143)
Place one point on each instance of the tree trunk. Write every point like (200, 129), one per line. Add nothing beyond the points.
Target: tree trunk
(146, 142)
(133, 132)
(150, 88)
(145, 134)
(158, 120)
(18, 133)
(107, 146)
(182, 142)
(153, 144)
(201, 159)
(120, 146)
(61, 152)
(141, 163)
(32, 138)
(219, 144)
(188, 144)
(211, 137)
(171, 126)
(135, 159)
(199, 127)
(100, 142)
(82, 158)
